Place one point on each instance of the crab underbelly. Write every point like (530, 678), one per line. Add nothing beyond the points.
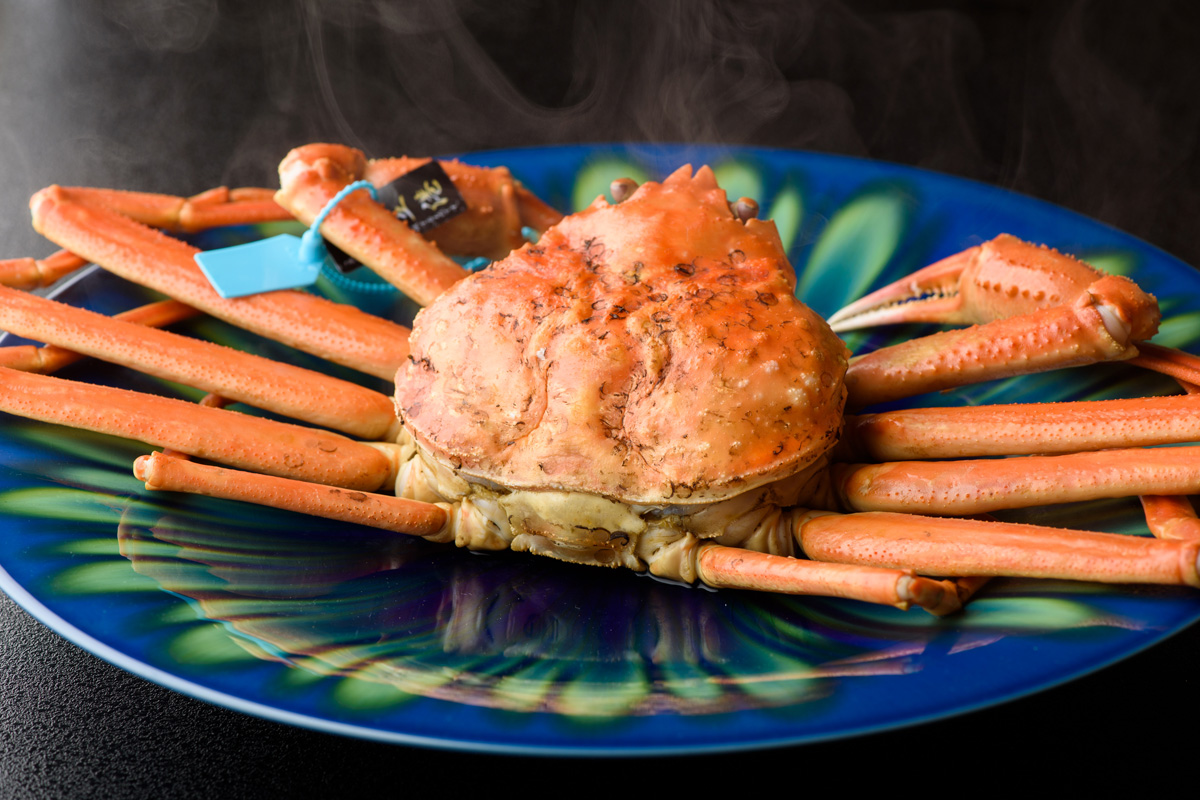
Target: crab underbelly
(591, 529)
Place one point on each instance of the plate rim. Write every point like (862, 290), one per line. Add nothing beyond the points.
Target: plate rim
(45, 615)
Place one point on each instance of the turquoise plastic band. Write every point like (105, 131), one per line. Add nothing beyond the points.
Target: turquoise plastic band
(339, 197)
(312, 247)
(348, 284)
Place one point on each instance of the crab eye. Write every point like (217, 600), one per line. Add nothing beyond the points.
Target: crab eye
(745, 209)
(622, 188)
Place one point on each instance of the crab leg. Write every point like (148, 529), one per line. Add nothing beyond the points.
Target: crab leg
(736, 568)
(1171, 517)
(33, 273)
(976, 431)
(163, 472)
(239, 440)
(717, 566)
(1183, 367)
(936, 546)
(143, 255)
(972, 487)
(959, 592)
(1102, 325)
(309, 178)
(213, 208)
(294, 392)
(210, 209)
(48, 359)
(497, 207)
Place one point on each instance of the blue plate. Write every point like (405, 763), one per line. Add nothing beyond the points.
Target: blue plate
(362, 633)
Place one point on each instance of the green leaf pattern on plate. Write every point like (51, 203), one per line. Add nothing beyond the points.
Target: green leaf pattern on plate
(855, 247)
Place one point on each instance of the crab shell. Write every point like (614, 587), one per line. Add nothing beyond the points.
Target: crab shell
(651, 353)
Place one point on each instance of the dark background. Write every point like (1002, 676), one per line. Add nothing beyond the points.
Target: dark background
(1090, 105)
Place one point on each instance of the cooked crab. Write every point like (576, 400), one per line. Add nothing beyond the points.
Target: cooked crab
(640, 388)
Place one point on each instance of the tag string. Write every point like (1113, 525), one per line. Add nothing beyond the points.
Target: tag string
(312, 246)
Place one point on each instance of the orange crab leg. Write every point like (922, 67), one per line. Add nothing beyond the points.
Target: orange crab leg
(1101, 325)
(239, 440)
(735, 568)
(1183, 367)
(937, 546)
(1171, 517)
(210, 209)
(977, 431)
(972, 487)
(48, 359)
(333, 331)
(33, 273)
(292, 391)
(163, 472)
(213, 208)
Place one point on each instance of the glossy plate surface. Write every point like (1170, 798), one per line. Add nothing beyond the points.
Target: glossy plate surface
(372, 635)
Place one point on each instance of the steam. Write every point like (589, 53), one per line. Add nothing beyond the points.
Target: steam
(180, 26)
(1053, 99)
(464, 76)
(1118, 131)
(470, 75)
(1047, 99)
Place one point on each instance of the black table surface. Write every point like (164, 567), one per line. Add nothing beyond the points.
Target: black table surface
(1088, 105)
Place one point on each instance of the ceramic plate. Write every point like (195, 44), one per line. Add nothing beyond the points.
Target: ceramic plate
(373, 635)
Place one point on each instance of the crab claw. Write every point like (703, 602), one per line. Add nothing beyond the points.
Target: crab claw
(1002, 278)
(1029, 308)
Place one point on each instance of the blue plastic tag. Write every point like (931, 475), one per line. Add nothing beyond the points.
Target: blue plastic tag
(262, 266)
(281, 262)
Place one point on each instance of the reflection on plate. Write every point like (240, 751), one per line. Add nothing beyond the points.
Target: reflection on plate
(373, 635)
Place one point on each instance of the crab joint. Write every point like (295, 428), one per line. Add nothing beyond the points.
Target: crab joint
(1126, 312)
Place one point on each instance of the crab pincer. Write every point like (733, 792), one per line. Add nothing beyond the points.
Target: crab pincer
(1030, 308)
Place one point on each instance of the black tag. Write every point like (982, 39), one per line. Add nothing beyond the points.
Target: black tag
(424, 198)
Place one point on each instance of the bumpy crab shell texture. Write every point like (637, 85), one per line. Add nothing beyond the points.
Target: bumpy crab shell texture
(651, 352)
